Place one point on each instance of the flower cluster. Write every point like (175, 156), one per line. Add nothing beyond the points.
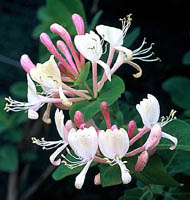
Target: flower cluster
(84, 142)
(57, 78)
(89, 143)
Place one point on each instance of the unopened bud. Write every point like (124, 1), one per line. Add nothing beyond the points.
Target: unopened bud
(79, 120)
(131, 128)
(69, 125)
(105, 111)
(79, 24)
(62, 32)
(97, 180)
(26, 63)
(142, 161)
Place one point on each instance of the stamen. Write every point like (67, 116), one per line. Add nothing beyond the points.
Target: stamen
(138, 49)
(169, 118)
(43, 143)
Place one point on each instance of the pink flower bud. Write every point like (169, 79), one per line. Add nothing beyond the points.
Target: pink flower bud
(26, 63)
(63, 48)
(105, 111)
(154, 137)
(79, 120)
(69, 125)
(131, 128)
(97, 180)
(142, 161)
(62, 32)
(79, 23)
(114, 127)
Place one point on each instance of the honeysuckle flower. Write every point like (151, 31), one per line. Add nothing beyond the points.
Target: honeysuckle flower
(90, 46)
(115, 37)
(35, 101)
(47, 74)
(114, 144)
(60, 144)
(149, 110)
(84, 143)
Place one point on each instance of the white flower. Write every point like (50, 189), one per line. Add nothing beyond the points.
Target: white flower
(90, 46)
(115, 36)
(84, 143)
(47, 74)
(149, 110)
(35, 101)
(63, 133)
(114, 144)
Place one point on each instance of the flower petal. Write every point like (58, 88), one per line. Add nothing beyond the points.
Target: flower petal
(55, 154)
(106, 69)
(32, 114)
(79, 181)
(173, 139)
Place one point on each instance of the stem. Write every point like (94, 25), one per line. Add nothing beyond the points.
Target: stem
(89, 90)
(77, 92)
(38, 182)
(135, 151)
(99, 160)
(139, 135)
(12, 186)
(109, 60)
(94, 75)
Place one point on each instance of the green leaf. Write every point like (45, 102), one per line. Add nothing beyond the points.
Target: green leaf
(186, 58)
(135, 194)
(131, 37)
(61, 13)
(109, 175)
(179, 90)
(109, 93)
(19, 89)
(180, 130)
(83, 75)
(63, 171)
(95, 20)
(13, 135)
(9, 158)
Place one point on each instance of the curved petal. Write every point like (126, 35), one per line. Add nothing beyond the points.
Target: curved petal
(79, 181)
(126, 51)
(32, 114)
(55, 154)
(111, 34)
(106, 69)
(125, 176)
(173, 139)
(59, 121)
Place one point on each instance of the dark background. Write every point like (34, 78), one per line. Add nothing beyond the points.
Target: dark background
(166, 23)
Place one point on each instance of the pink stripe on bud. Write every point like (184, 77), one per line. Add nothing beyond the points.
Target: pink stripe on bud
(97, 180)
(131, 128)
(79, 24)
(114, 127)
(79, 120)
(26, 63)
(105, 111)
(45, 39)
(63, 48)
(154, 137)
(142, 161)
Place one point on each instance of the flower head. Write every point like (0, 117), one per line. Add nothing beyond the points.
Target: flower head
(61, 144)
(149, 110)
